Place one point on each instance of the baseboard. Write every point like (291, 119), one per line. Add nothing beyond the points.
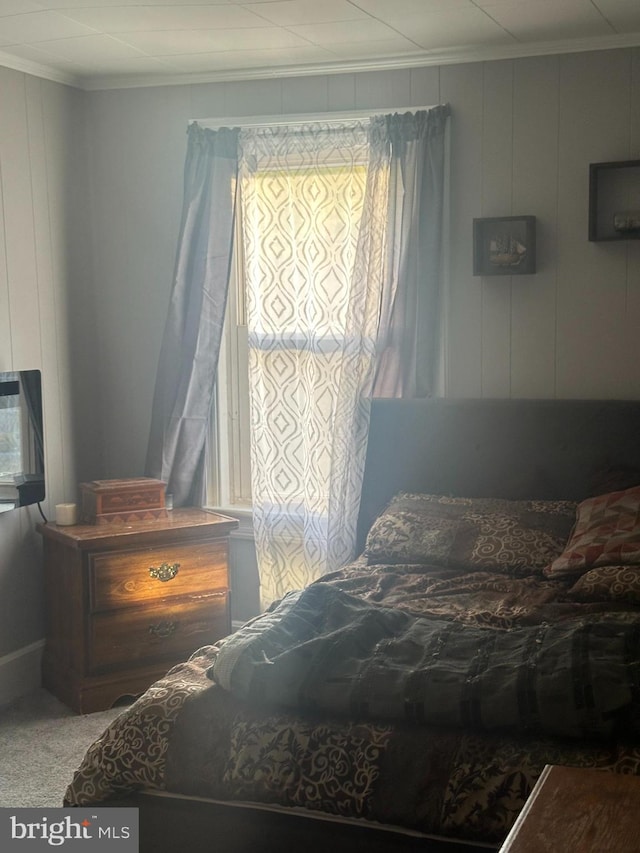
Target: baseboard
(20, 672)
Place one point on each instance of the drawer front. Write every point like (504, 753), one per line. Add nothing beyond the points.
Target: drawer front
(138, 636)
(123, 578)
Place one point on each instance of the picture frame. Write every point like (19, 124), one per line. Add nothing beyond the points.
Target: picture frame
(504, 245)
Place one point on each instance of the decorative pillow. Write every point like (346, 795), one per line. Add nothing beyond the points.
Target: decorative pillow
(608, 583)
(607, 532)
(470, 534)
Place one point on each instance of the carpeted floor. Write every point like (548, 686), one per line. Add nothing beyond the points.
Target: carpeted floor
(42, 742)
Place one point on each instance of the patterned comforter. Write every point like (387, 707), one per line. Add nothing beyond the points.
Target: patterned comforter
(457, 778)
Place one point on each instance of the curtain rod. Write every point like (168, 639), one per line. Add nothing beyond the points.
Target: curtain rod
(301, 118)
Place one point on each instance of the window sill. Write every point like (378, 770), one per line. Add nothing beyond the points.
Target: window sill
(244, 516)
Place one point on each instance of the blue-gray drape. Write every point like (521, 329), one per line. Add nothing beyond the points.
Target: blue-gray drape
(410, 312)
(191, 343)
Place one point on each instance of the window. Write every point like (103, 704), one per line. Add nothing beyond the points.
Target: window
(229, 481)
(322, 193)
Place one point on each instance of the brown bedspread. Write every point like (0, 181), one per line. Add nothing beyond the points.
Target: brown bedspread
(187, 735)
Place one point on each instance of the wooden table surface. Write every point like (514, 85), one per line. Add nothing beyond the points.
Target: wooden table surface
(576, 810)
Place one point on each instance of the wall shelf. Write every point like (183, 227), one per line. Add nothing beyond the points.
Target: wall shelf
(613, 189)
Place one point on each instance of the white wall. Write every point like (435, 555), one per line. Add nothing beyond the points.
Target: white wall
(524, 134)
(46, 317)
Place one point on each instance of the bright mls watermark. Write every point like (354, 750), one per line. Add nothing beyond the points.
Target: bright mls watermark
(78, 829)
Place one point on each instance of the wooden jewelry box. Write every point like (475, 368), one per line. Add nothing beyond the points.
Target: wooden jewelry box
(137, 499)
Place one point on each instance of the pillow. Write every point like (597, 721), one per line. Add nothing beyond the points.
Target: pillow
(470, 534)
(607, 532)
(608, 583)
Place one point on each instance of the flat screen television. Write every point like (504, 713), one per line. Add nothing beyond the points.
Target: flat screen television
(22, 479)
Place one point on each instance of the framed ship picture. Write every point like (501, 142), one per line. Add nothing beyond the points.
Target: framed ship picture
(504, 245)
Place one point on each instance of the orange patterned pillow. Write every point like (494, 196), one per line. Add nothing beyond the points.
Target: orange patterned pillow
(606, 532)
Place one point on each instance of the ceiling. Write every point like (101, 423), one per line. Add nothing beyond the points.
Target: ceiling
(103, 43)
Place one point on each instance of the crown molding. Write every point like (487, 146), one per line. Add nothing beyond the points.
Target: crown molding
(418, 59)
(46, 72)
(448, 56)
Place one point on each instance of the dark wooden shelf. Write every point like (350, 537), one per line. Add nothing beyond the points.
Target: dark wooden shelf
(613, 187)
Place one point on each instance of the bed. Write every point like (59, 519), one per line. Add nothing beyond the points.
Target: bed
(409, 701)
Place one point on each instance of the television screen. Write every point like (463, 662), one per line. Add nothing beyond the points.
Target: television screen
(21, 439)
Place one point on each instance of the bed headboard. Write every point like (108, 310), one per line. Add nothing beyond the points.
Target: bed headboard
(545, 449)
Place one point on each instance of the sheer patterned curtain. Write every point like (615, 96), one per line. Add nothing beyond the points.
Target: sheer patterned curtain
(314, 209)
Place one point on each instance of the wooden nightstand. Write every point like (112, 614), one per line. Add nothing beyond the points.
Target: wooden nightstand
(579, 811)
(125, 602)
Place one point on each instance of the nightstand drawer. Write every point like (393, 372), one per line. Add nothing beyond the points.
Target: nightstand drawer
(135, 636)
(126, 578)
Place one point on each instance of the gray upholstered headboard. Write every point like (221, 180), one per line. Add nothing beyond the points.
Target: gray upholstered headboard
(495, 448)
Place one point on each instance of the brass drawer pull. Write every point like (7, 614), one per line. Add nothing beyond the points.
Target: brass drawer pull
(165, 572)
(163, 629)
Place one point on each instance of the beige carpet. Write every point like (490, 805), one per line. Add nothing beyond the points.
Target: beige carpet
(42, 742)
